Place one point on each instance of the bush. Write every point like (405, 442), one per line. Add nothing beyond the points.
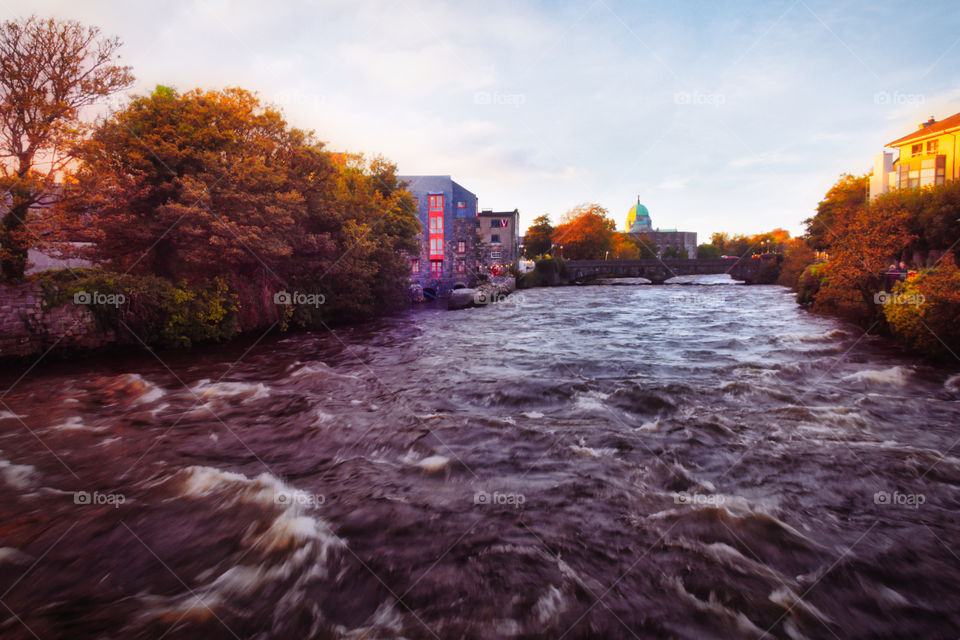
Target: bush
(924, 311)
(155, 310)
(809, 284)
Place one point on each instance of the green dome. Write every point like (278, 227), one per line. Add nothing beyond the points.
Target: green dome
(638, 219)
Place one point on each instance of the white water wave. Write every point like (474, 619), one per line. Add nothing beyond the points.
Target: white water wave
(897, 376)
(19, 476)
(591, 452)
(248, 391)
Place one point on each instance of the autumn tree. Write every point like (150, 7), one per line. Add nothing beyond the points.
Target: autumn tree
(864, 244)
(842, 202)
(214, 183)
(49, 71)
(585, 233)
(797, 256)
(628, 246)
(537, 241)
(188, 186)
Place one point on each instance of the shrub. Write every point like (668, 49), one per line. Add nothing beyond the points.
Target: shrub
(924, 311)
(809, 284)
(157, 312)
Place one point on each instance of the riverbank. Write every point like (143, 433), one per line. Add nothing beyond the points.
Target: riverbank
(71, 313)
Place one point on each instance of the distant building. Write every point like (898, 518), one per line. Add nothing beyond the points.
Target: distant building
(448, 239)
(638, 219)
(639, 223)
(499, 233)
(928, 156)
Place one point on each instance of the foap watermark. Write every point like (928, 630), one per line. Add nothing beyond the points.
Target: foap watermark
(898, 98)
(95, 297)
(699, 499)
(496, 98)
(690, 299)
(299, 298)
(699, 98)
(99, 499)
(515, 500)
(906, 299)
(299, 498)
(898, 499)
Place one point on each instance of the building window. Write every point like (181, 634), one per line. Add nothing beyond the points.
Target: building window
(436, 223)
(461, 266)
(495, 237)
(436, 247)
(916, 149)
(436, 202)
(495, 255)
(414, 266)
(436, 268)
(461, 204)
(461, 246)
(932, 146)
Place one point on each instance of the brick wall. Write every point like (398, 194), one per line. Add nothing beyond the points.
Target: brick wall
(28, 326)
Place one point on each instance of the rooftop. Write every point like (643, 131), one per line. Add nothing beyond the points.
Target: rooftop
(929, 128)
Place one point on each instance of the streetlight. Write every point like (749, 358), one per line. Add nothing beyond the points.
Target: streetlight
(605, 257)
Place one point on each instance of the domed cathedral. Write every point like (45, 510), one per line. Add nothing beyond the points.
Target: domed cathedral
(670, 242)
(638, 219)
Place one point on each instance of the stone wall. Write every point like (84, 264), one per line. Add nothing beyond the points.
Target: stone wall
(28, 326)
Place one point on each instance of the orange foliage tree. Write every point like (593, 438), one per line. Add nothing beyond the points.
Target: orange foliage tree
(865, 243)
(585, 233)
(49, 71)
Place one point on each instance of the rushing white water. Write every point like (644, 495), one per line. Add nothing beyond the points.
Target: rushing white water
(615, 462)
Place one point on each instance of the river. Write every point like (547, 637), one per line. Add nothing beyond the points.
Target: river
(701, 461)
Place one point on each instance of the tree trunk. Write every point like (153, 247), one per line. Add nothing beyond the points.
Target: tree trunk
(14, 241)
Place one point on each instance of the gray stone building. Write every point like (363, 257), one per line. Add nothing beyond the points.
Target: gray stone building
(448, 239)
(677, 240)
(499, 233)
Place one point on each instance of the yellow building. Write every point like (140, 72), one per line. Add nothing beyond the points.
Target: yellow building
(927, 156)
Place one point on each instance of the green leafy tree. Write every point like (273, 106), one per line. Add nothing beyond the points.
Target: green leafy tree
(707, 251)
(537, 242)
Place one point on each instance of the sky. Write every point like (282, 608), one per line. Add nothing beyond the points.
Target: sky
(718, 116)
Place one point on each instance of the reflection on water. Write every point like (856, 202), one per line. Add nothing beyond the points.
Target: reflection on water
(681, 461)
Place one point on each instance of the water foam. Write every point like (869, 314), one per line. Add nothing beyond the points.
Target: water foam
(247, 390)
(591, 452)
(897, 376)
(19, 476)
(952, 383)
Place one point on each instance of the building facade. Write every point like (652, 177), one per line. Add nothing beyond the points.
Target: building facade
(677, 242)
(928, 156)
(499, 233)
(448, 238)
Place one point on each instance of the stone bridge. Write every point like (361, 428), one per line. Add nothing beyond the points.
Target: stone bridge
(659, 271)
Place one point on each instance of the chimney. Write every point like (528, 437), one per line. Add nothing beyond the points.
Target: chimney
(924, 125)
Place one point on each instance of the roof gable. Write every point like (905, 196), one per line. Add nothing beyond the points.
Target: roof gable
(935, 129)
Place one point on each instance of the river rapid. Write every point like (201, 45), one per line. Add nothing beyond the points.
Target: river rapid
(700, 461)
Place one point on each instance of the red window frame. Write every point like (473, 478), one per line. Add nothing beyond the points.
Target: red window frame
(435, 228)
(461, 266)
(461, 246)
(436, 268)
(415, 265)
